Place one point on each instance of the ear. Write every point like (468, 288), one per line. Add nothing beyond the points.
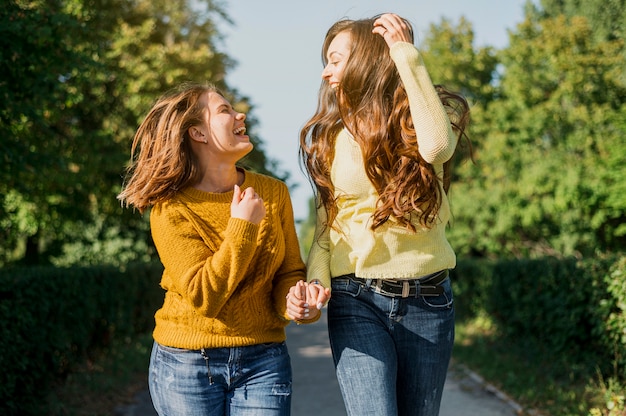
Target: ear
(196, 134)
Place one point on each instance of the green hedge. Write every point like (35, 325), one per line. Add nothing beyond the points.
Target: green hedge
(566, 308)
(53, 318)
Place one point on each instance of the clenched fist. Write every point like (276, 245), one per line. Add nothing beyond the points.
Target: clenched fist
(247, 205)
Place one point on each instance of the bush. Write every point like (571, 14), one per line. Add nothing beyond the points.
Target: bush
(53, 318)
(609, 312)
(564, 308)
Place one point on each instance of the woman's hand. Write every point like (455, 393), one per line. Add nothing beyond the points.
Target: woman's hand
(393, 29)
(317, 294)
(297, 306)
(306, 300)
(247, 205)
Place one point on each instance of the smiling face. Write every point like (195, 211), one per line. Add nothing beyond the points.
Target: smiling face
(337, 56)
(223, 128)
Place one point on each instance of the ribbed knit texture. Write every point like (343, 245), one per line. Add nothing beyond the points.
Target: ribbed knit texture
(225, 279)
(391, 251)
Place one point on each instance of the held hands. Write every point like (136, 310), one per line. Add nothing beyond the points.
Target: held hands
(306, 300)
(247, 205)
(393, 29)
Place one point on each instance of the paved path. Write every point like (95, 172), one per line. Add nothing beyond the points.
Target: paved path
(316, 392)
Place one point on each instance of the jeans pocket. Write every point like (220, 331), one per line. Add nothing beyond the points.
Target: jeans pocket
(345, 286)
(176, 356)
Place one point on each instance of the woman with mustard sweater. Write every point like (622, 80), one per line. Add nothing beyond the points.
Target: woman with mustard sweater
(227, 241)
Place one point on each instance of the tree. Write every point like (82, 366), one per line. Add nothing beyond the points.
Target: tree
(546, 178)
(453, 61)
(37, 99)
(77, 77)
(606, 18)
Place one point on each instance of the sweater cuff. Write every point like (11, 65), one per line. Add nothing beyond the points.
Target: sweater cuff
(246, 230)
(404, 49)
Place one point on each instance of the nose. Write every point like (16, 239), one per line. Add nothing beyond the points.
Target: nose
(326, 73)
(240, 116)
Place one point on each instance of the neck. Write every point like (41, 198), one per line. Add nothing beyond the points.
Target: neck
(220, 179)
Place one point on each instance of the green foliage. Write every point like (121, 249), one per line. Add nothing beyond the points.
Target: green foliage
(98, 387)
(558, 323)
(549, 149)
(472, 287)
(609, 310)
(544, 301)
(452, 61)
(614, 403)
(52, 319)
(563, 306)
(548, 124)
(606, 17)
(76, 78)
(306, 229)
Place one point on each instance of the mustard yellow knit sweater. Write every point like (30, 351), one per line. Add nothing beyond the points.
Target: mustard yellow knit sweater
(225, 278)
(391, 251)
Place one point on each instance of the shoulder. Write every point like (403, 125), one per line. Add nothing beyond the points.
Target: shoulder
(185, 201)
(272, 190)
(167, 210)
(261, 180)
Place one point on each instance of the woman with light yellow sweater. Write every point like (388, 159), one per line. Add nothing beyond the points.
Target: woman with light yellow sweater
(378, 151)
(227, 241)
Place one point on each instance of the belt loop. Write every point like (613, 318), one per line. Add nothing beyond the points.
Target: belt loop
(405, 288)
(379, 284)
(368, 283)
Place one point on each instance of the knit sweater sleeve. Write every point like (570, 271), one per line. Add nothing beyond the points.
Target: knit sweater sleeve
(318, 262)
(436, 140)
(292, 268)
(205, 276)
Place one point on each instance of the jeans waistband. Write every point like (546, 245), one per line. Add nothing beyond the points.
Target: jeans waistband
(423, 286)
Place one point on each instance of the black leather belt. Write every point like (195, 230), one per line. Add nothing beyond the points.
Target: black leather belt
(425, 286)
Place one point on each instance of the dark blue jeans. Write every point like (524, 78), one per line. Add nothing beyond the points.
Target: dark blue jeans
(239, 381)
(391, 354)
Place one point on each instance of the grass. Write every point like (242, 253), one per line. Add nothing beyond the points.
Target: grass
(99, 386)
(544, 383)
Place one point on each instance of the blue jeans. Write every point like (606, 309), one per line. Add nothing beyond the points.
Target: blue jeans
(251, 381)
(391, 354)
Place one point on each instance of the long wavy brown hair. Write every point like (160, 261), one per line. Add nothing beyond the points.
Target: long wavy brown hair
(162, 161)
(372, 104)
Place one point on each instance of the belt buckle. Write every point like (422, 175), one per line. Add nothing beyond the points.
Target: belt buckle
(406, 288)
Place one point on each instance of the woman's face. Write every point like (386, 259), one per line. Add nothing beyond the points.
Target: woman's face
(337, 56)
(224, 128)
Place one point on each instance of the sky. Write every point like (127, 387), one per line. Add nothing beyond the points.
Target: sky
(277, 48)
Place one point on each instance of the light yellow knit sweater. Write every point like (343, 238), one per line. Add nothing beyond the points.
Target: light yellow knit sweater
(225, 278)
(391, 251)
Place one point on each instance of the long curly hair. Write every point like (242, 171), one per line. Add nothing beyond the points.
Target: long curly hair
(162, 161)
(372, 104)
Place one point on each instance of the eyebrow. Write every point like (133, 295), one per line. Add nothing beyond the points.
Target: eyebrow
(221, 106)
(330, 55)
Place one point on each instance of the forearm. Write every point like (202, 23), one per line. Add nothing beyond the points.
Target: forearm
(436, 140)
